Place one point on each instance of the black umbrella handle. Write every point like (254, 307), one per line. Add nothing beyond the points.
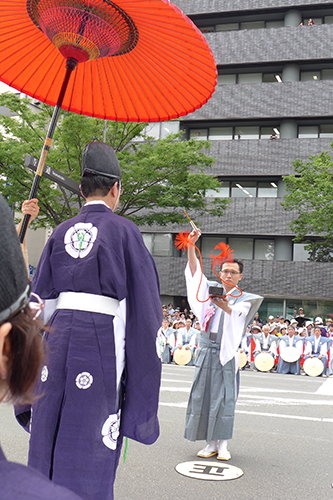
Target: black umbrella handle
(70, 66)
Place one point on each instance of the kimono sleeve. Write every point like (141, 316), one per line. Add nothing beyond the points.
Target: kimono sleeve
(142, 376)
(233, 328)
(42, 282)
(192, 285)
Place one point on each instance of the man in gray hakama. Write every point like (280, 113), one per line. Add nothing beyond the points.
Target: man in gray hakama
(211, 406)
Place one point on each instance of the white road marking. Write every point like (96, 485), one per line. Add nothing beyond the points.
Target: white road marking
(272, 391)
(326, 389)
(261, 414)
(174, 405)
(176, 389)
(292, 417)
(285, 401)
(175, 380)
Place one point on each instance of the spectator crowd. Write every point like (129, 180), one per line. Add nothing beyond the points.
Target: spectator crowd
(283, 339)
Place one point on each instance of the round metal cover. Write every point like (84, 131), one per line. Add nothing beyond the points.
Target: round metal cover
(209, 471)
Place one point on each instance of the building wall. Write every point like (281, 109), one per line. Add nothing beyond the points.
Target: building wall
(262, 157)
(261, 104)
(268, 100)
(309, 280)
(191, 7)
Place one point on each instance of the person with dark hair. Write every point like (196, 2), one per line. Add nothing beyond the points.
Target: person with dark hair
(102, 379)
(21, 354)
(291, 340)
(223, 319)
(316, 346)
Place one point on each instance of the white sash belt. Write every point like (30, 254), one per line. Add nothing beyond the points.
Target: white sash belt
(90, 302)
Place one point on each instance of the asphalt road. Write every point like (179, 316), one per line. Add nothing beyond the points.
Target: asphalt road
(283, 442)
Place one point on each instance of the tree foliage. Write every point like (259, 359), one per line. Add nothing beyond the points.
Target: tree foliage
(160, 177)
(311, 196)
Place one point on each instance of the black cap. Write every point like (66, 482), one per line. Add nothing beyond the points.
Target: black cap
(14, 287)
(99, 158)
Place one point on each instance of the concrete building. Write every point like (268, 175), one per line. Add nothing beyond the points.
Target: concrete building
(275, 78)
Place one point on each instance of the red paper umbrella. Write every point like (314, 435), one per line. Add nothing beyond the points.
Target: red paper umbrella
(134, 60)
(139, 60)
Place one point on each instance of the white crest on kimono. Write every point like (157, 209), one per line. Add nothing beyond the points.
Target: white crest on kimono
(79, 239)
(44, 374)
(160, 343)
(84, 380)
(110, 430)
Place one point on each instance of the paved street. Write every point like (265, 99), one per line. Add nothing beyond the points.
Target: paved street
(282, 441)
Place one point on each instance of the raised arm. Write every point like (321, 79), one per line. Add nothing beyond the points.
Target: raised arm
(192, 259)
(29, 207)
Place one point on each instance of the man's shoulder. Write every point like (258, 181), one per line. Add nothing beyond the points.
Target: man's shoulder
(98, 216)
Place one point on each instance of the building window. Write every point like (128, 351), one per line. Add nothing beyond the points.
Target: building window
(226, 79)
(316, 20)
(328, 19)
(227, 27)
(159, 244)
(246, 132)
(207, 29)
(200, 134)
(162, 246)
(148, 241)
(208, 243)
(242, 247)
(243, 189)
(267, 190)
(264, 249)
(267, 132)
(220, 134)
(308, 132)
(300, 254)
(159, 130)
(307, 76)
(325, 131)
(254, 25)
(274, 24)
(250, 78)
(167, 128)
(222, 192)
(272, 77)
(327, 74)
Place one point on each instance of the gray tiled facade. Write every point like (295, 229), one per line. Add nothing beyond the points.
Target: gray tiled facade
(262, 158)
(191, 7)
(262, 104)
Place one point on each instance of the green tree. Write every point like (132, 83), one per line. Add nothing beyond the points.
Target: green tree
(160, 178)
(311, 196)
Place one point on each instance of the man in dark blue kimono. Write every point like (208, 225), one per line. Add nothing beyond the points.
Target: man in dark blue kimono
(102, 376)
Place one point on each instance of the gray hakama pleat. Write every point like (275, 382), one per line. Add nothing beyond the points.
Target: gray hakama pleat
(211, 406)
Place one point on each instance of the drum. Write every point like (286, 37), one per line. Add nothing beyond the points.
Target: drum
(290, 354)
(182, 356)
(264, 361)
(313, 367)
(242, 359)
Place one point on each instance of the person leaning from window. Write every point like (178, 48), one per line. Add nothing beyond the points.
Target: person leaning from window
(21, 354)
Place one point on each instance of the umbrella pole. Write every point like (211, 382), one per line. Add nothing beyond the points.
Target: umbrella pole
(70, 66)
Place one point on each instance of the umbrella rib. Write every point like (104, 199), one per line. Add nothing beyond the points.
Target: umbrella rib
(145, 85)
